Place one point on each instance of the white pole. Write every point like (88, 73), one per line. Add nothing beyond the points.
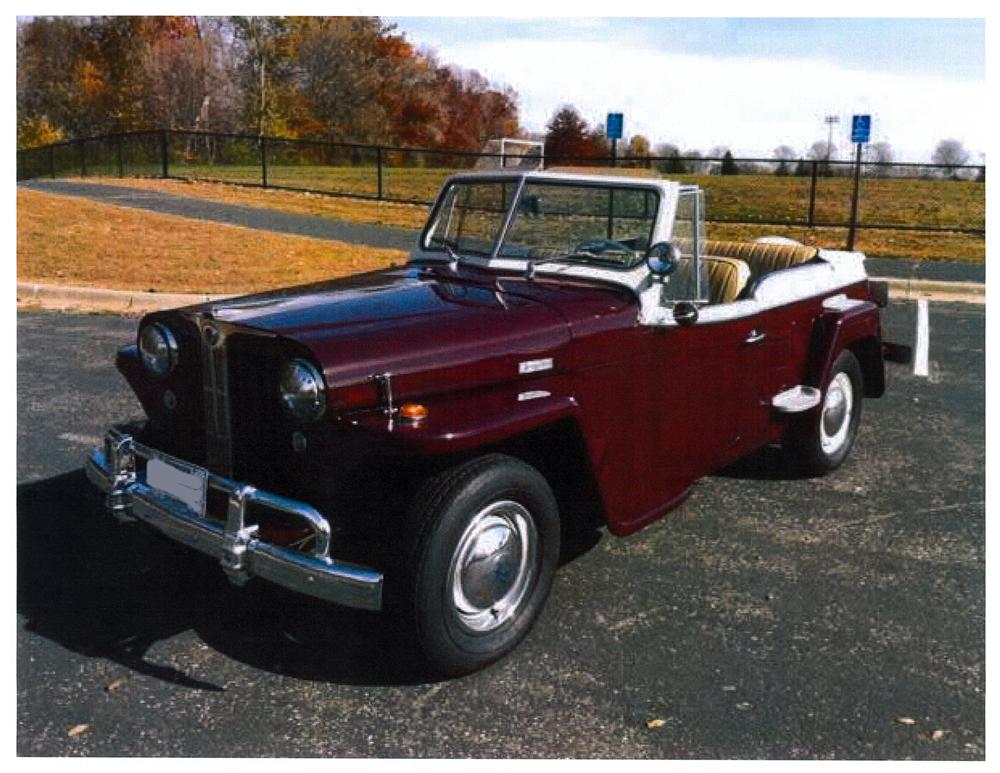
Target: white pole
(920, 359)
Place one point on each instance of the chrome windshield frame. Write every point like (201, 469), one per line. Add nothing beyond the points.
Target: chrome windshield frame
(509, 218)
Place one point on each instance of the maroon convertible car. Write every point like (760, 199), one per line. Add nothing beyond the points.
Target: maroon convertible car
(419, 440)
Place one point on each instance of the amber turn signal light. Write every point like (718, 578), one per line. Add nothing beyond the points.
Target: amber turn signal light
(412, 412)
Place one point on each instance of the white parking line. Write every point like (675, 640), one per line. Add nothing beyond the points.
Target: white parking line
(923, 345)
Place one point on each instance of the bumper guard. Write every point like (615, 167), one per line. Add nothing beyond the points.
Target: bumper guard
(113, 470)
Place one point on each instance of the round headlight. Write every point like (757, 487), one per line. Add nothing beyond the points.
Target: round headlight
(301, 389)
(158, 349)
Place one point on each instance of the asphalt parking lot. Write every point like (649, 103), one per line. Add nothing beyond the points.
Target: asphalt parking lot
(768, 617)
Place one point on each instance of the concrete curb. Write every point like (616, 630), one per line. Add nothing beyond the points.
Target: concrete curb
(906, 289)
(46, 296)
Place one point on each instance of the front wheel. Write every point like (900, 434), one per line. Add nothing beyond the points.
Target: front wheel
(821, 441)
(484, 543)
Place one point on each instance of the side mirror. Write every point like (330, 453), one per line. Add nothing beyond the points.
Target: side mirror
(661, 259)
(685, 313)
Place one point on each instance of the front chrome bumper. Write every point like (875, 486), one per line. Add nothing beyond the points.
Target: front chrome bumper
(113, 470)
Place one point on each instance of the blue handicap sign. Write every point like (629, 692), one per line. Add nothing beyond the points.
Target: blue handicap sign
(861, 128)
(616, 121)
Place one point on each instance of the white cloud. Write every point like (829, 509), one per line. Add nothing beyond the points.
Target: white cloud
(750, 105)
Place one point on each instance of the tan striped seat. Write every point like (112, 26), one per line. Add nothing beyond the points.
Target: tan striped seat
(726, 277)
(761, 258)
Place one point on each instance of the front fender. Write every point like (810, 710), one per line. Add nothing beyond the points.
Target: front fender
(463, 423)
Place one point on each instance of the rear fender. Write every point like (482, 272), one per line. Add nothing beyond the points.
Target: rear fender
(853, 325)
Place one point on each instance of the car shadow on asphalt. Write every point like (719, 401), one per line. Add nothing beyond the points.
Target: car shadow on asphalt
(109, 590)
(767, 463)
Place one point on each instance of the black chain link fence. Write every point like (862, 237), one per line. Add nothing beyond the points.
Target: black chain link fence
(754, 191)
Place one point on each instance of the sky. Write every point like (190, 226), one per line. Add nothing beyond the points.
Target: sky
(746, 84)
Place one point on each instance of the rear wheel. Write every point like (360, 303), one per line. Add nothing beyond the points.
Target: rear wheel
(822, 440)
(483, 547)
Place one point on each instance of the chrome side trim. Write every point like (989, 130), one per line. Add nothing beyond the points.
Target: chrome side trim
(534, 366)
(236, 545)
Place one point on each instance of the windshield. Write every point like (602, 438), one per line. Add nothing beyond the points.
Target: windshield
(470, 217)
(609, 226)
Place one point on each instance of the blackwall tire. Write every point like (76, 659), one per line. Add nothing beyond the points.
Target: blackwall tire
(823, 439)
(483, 545)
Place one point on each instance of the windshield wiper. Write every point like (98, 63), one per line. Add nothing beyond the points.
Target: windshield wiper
(529, 269)
(449, 247)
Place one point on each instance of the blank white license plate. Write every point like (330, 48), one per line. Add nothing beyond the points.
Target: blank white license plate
(188, 484)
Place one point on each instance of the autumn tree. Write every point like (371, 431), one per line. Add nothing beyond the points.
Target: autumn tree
(566, 135)
(474, 112)
(264, 68)
(187, 71)
(47, 49)
(600, 145)
(82, 75)
(93, 75)
(638, 149)
(346, 79)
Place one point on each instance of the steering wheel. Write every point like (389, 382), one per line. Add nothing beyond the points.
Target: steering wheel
(600, 246)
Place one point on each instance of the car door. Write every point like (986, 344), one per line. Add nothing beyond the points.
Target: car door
(765, 342)
(697, 395)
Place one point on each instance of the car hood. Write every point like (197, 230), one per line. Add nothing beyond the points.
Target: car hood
(431, 328)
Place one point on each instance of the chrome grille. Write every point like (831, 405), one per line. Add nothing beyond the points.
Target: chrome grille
(215, 385)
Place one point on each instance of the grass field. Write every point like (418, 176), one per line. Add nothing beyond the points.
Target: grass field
(73, 241)
(739, 194)
(744, 198)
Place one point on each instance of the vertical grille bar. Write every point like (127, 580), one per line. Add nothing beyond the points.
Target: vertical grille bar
(215, 381)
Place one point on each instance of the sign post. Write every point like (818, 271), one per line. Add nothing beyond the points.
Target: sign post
(861, 127)
(615, 124)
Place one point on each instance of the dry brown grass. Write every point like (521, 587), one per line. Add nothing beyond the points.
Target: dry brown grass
(69, 240)
(874, 243)
(779, 191)
(335, 207)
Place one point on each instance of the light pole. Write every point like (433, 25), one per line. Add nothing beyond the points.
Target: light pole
(830, 120)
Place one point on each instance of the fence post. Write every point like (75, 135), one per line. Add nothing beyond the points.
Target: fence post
(378, 167)
(852, 229)
(812, 193)
(83, 158)
(52, 161)
(121, 155)
(263, 161)
(165, 152)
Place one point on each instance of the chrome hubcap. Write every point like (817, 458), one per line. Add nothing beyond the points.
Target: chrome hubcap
(837, 408)
(493, 566)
